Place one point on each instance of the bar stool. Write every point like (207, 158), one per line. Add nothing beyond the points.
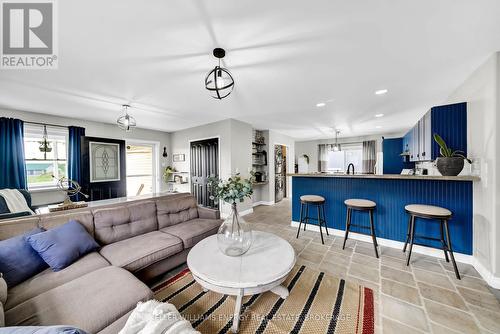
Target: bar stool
(430, 212)
(360, 205)
(319, 202)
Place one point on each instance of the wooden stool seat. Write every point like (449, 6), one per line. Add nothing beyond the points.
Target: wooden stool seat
(430, 212)
(427, 210)
(319, 202)
(360, 203)
(312, 199)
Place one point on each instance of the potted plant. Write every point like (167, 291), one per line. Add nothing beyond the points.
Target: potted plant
(451, 162)
(234, 237)
(167, 173)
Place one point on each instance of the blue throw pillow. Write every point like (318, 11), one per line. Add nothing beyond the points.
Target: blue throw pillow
(18, 261)
(41, 330)
(63, 245)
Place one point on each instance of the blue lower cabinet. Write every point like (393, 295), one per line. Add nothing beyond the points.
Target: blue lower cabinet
(391, 196)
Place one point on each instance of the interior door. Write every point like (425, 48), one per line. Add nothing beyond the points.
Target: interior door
(103, 168)
(204, 160)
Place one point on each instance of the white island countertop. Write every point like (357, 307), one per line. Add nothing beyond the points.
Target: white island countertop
(390, 176)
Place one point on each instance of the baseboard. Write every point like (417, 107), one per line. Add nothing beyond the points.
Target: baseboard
(262, 203)
(492, 280)
(246, 212)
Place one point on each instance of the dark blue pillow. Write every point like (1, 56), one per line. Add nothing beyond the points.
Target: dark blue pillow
(41, 330)
(63, 245)
(18, 261)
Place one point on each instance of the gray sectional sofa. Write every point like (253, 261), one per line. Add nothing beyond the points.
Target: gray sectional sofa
(139, 240)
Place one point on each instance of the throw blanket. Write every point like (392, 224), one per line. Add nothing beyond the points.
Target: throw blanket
(15, 201)
(154, 317)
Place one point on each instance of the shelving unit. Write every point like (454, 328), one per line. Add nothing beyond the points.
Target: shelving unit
(259, 157)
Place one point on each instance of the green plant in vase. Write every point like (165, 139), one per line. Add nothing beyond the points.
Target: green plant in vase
(234, 237)
(168, 172)
(451, 162)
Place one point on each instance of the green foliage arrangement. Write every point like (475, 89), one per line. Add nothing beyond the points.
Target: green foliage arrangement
(447, 152)
(232, 190)
(167, 173)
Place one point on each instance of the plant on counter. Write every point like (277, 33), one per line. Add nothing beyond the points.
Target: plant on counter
(451, 162)
(167, 173)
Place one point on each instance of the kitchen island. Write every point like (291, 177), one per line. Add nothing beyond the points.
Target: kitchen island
(391, 193)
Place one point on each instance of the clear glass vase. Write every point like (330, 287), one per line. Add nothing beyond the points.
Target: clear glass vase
(235, 235)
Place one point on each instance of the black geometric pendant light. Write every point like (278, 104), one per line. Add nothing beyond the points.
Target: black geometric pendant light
(219, 82)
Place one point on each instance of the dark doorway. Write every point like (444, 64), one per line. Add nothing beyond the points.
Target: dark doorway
(108, 179)
(204, 164)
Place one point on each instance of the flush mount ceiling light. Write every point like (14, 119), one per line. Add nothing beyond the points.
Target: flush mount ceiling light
(379, 115)
(219, 82)
(378, 127)
(381, 92)
(126, 122)
(321, 104)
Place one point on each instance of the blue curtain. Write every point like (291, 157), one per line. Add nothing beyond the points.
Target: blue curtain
(74, 154)
(12, 165)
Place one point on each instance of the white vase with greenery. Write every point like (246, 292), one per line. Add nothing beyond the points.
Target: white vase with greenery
(234, 237)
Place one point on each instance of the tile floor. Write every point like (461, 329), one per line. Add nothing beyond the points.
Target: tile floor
(422, 298)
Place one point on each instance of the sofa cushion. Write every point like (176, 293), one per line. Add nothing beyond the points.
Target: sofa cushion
(116, 326)
(14, 227)
(172, 211)
(18, 261)
(141, 251)
(192, 231)
(49, 279)
(55, 219)
(90, 302)
(63, 245)
(124, 222)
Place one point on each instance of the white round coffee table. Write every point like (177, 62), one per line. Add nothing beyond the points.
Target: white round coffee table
(264, 267)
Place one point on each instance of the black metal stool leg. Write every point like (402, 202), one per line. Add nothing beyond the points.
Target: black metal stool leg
(445, 221)
(347, 226)
(319, 224)
(324, 218)
(407, 234)
(443, 243)
(374, 238)
(301, 217)
(306, 218)
(412, 237)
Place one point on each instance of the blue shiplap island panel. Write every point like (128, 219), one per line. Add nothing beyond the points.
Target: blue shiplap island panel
(391, 196)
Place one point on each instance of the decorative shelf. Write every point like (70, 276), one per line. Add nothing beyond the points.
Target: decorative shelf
(260, 183)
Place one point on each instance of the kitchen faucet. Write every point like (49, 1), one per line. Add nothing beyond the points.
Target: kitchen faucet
(349, 168)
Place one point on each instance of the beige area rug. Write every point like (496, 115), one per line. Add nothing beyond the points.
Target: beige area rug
(318, 303)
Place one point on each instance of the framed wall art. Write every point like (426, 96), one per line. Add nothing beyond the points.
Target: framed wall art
(179, 157)
(104, 162)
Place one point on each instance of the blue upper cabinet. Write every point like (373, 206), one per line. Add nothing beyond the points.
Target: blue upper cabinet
(449, 121)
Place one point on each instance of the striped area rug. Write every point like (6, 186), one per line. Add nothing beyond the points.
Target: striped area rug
(318, 303)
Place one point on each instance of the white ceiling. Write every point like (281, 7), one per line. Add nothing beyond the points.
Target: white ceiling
(285, 56)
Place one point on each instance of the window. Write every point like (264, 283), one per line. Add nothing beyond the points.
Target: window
(141, 169)
(40, 166)
(340, 160)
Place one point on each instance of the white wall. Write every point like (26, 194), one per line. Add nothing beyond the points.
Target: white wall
(93, 129)
(310, 147)
(481, 91)
(235, 149)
